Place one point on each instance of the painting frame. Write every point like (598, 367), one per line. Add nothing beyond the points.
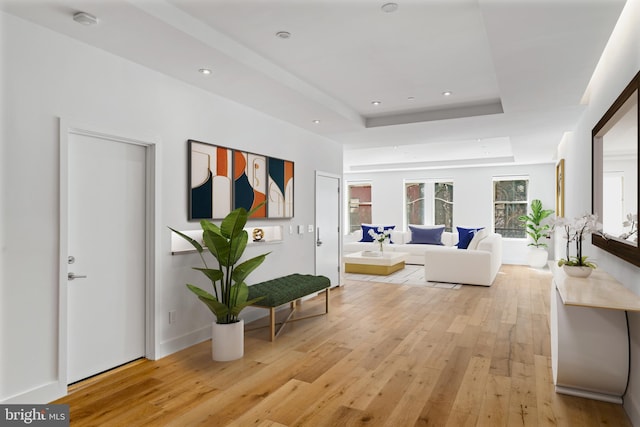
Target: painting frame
(220, 179)
(560, 179)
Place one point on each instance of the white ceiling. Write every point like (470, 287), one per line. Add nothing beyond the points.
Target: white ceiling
(517, 69)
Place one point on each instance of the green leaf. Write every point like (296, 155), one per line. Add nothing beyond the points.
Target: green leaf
(221, 311)
(209, 226)
(193, 242)
(213, 275)
(218, 245)
(234, 223)
(237, 247)
(243, 270)
(199, 292)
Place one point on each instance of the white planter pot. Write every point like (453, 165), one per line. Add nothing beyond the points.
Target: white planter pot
(227, 341)
(577, 270)
(537, 257)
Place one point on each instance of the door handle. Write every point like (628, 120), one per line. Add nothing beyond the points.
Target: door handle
(318, 241)
(72, 276)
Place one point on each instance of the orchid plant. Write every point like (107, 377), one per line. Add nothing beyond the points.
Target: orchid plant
(381, 236)
(632, 222)
(577, 230)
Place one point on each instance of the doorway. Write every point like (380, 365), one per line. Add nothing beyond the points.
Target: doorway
(107, 189)
(328, 230)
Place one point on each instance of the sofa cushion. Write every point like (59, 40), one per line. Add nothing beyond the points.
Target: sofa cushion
(465, 235)
(426, 236)
(477, 237)
(366, 237)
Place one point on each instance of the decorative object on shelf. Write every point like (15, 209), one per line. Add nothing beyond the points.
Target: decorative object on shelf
(222, 179)
(257, 234)
(535, 229)
(381, 236)
(577, 230)
(577, 270)
(226, 243)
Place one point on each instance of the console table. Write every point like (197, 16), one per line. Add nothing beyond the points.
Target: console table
(589, 335)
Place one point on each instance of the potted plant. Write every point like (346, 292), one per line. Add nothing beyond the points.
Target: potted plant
(576, 231)
(534, 228)
(226, 243)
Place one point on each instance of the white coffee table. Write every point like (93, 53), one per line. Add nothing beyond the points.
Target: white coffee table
(366, 262)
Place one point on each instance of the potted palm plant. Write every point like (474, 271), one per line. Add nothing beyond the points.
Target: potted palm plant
(535, 229)
(226, 243)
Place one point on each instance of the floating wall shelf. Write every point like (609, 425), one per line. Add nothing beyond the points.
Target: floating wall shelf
(272, 234)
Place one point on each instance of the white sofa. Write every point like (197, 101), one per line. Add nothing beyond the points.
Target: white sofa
(477, 265)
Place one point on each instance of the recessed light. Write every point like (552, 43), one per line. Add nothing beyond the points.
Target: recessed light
(85, 18)
(205, 71)
(411, 98)
(376, 103)
(316, 122)
(447, 93)
(389, 7)
(283, 34)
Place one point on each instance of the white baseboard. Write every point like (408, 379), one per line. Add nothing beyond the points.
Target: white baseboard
(632, 408)
(180, 343)
(38, 395)
(202, 334)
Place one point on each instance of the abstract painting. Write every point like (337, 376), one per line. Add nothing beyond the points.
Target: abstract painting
(280, 183)
(209, 180)
(250, 182)
(222, 179)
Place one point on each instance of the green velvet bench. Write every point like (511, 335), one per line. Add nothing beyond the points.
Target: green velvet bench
(288, 289)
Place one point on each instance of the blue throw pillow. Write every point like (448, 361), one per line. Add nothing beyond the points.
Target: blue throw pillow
(426, 236)
(366, 237)
(465, 235)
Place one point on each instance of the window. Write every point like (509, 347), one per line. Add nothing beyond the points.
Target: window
(510, 200)
(359, 205)
(429, 202)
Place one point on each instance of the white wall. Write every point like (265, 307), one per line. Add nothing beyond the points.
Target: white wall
(472, 196)
(47, 76)
(619, 63)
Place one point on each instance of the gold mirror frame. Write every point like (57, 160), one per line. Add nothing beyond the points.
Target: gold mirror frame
(627, 252)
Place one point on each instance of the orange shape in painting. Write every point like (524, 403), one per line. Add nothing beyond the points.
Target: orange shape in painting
(239, 163)
(257, 199)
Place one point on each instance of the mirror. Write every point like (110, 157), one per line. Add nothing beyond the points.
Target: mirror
(615, 176)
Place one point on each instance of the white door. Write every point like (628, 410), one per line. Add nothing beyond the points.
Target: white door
(107, 240)
(328, 227)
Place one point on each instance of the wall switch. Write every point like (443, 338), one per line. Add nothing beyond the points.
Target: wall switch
(310, 228)
(172, 316)
(291, 229)
(300, 229)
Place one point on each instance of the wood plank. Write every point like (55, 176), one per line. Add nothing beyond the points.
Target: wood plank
(386, 354)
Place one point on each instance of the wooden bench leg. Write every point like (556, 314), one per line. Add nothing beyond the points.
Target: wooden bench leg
(293, 307)
(326, 301)
(272, 319)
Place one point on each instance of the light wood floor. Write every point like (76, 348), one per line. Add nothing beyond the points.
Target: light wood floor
(386, 355)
